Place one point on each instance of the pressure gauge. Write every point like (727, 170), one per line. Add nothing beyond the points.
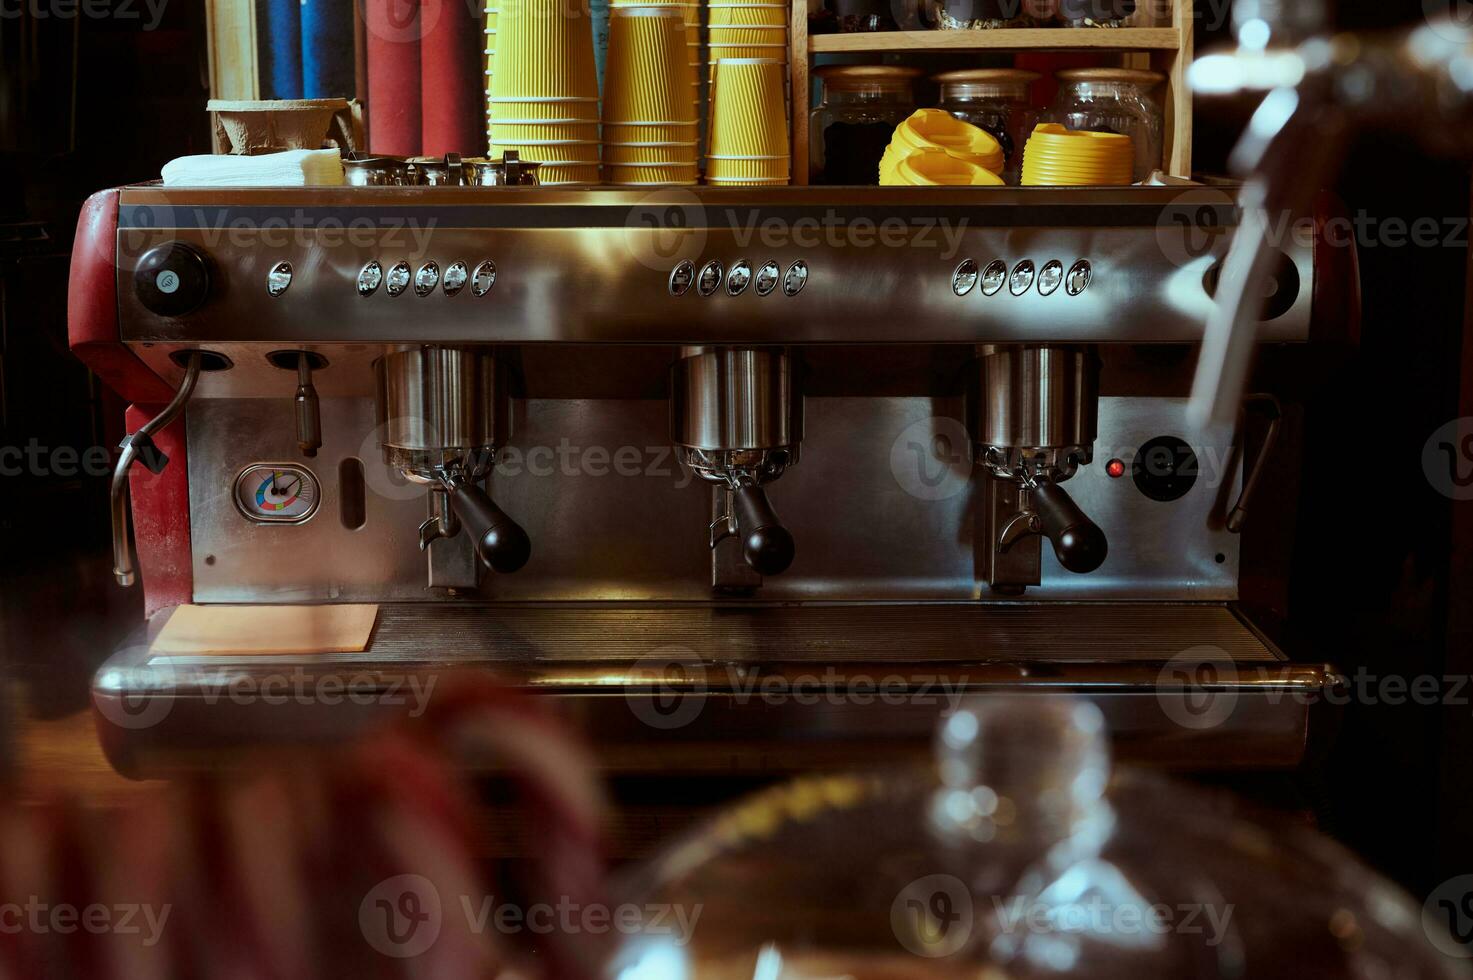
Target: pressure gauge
(276, 493)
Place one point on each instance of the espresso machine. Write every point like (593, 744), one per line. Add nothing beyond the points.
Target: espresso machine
(556, 434)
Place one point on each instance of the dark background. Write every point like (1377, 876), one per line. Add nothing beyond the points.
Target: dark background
(91, 103)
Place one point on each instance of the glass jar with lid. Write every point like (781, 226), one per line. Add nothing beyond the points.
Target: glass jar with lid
(1113, 100)
(852, 125)
(994, 99)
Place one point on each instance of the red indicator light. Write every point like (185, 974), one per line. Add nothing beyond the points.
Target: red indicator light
(1115, 468)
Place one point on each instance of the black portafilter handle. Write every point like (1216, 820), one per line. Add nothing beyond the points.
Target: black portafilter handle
(1078, 541)
(766, 544)
(500, 541)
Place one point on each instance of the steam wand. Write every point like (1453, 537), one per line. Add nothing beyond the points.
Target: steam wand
(140, 446)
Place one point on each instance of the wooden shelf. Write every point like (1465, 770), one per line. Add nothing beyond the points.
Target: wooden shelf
(1011, 39)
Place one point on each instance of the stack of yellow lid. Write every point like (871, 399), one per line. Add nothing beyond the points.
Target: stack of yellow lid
(749, 123)
(544, 89)
(1059, 157)
(935, 147)
(649, 119)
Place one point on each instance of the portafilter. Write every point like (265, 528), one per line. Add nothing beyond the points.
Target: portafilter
(736, 421)
(1034, 417)
(439, 423)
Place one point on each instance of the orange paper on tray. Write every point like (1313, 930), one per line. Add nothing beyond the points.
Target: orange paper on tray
(194, 630)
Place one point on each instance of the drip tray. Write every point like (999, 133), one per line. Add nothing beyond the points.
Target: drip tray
(758, 687)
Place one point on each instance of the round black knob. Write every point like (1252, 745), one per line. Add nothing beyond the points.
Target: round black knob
(504, 547)
(769, 550)
(171, 279)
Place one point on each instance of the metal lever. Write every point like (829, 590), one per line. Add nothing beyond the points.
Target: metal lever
(1239, 514)
(140, 446)
(442, 522)
(309, 414)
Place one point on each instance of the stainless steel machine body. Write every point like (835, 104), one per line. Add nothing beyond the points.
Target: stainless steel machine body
(588, 356)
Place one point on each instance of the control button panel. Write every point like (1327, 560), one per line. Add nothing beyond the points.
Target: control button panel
(739, 278)
(1022, 278)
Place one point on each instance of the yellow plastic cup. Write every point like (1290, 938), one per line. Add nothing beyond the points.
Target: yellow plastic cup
(647, 71)
(552, 151)
(748, 167)
(749, 109)
(537, 132)
(651, 153)
(544, 49)
(761, 35)
(748, 15)
(651, 132)
(652, 173)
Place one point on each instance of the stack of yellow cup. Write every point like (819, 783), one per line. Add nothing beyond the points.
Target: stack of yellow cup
(938, 131)
(747, 30)
(649, 119)
(690, 12)
(749, 123)
(1059, 157)
(490, 57)
(544, 90)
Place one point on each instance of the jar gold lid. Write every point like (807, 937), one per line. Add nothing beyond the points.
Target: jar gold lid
(986, 76)
(859, 76)
(1131, 76)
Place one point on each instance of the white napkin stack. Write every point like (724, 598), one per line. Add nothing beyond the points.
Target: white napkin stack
(289, 168)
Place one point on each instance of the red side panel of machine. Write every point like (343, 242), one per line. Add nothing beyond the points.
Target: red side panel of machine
(160, 503)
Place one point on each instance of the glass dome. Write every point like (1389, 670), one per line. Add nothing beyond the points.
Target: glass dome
(1021, 856)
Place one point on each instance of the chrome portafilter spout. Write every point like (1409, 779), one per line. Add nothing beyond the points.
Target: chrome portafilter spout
(736, 421)
(437, 412)
(1033, 416)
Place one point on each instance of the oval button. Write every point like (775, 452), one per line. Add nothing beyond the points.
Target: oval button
(964, 278)
(796, 278)
(426, 279)
(681, 278)
(369, 278)
(456, 275)
(767, 278)
(994, 276)
(484, 278)
(739, 278)
(711, 275)
(1078, 279)
(1050, 276)
(1021, 279)
(278, 280)
(398, 279)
